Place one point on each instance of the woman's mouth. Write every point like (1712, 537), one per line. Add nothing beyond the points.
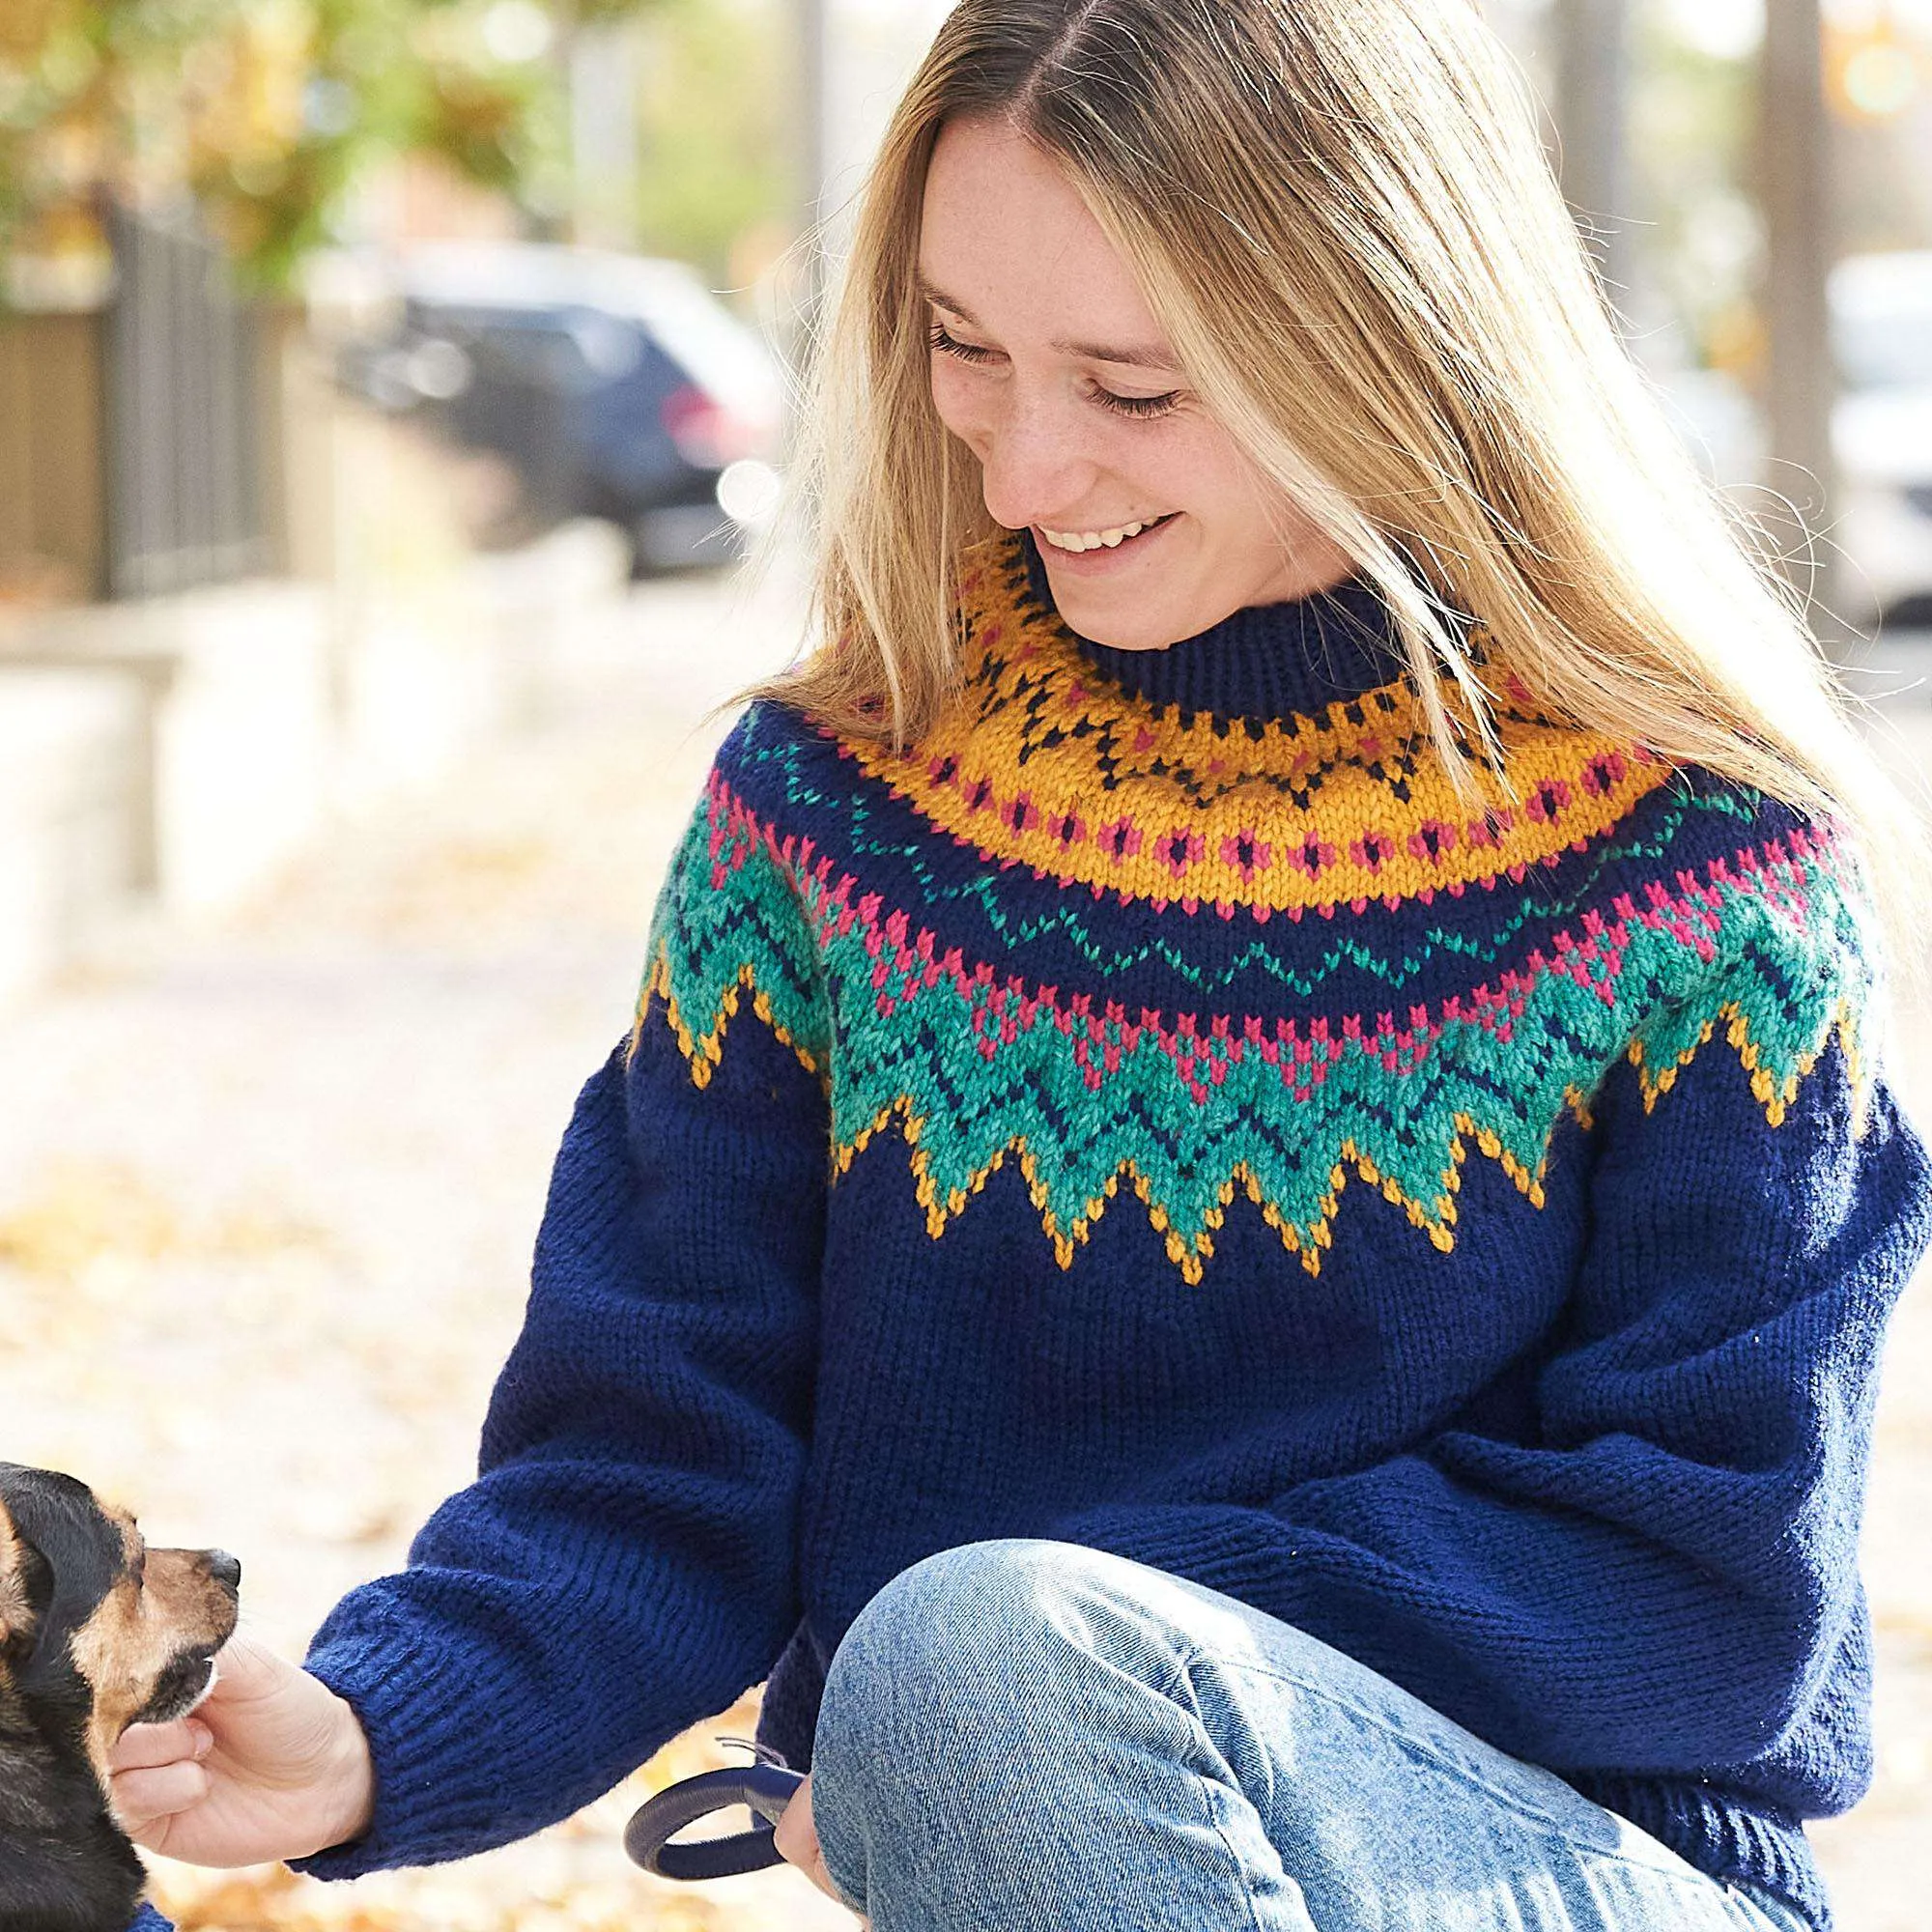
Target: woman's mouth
(1088, 549)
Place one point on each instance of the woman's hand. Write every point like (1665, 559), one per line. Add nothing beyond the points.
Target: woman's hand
(797, 1841)
(273, 1764)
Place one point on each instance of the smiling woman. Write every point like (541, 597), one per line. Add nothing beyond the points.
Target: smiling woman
(1152, 522)
(1241, 1237)
(1311, 261)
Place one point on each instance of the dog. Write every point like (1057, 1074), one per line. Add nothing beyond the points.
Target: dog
(98, 1631)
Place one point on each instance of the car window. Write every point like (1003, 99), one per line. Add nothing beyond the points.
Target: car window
(574, 350)
(1886, 352)
(1882, 320)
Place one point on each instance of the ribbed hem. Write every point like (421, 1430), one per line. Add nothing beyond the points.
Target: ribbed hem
(1719, 1834)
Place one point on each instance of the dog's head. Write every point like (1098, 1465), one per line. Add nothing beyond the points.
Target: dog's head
(99, 1631)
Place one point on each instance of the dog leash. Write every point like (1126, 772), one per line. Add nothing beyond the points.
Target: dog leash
(764, 1787)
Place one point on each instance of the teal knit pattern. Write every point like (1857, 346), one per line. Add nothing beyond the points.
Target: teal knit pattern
(1492, 1018)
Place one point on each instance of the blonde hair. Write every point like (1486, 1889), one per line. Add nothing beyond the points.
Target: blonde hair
(1340, 212)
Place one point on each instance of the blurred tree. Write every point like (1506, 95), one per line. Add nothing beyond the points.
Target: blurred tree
(1698, 239)
(714, 78)
(266, 111)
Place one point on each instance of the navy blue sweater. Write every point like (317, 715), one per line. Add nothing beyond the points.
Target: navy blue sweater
(1157, 1112)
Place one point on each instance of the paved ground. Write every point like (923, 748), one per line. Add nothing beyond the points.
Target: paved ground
(275, 1184)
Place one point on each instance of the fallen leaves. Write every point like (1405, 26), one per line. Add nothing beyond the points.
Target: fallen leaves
(573, 1878)
(268, 1195)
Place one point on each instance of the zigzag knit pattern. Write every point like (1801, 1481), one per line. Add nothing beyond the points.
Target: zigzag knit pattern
(1116, 942)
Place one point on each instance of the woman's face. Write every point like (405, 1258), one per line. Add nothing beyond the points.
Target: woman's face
(1050, 366)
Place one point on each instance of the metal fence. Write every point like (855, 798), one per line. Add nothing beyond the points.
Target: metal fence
(183, 352)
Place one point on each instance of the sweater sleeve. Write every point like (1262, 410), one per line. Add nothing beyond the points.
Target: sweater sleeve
(1658, 1575)
(624, 1565)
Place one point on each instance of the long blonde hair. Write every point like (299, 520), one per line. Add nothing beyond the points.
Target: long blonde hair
(1340, 212)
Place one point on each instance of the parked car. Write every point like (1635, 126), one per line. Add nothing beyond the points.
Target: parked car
(615, 386)
(1881, 319)
(1882, 432)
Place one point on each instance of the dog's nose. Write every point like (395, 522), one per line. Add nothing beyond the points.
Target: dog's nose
(225, 1569)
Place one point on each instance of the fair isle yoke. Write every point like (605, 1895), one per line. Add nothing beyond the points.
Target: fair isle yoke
(1333, 971)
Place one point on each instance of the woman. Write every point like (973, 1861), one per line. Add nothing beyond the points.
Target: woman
(1245, 1233)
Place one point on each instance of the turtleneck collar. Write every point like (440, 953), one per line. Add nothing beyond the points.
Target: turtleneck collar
(1263, 661)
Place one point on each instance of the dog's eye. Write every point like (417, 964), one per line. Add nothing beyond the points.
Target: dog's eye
(141, 1571)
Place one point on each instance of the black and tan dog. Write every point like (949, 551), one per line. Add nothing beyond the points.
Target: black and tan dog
(97, 1633)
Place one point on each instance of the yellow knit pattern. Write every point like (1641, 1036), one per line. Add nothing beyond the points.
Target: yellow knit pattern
(1048, 764)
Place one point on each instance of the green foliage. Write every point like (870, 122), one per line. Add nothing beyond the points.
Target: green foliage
(383, 78)
(267, 111)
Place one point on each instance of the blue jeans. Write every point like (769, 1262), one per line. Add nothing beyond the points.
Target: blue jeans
(1030, 1735)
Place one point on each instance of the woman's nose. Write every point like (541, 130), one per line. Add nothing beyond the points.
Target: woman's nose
(1034, 465)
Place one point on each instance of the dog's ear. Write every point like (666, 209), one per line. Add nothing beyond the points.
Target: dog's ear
(64, 1866)
(26, 1589)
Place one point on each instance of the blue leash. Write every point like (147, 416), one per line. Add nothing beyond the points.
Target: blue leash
(765, 1788)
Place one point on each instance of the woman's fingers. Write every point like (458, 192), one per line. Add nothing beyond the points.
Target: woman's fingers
(145, 1800)
(143, 1746)
(796, 1839)
(155, 1773)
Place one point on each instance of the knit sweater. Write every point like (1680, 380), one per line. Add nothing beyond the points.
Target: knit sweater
(1155, 1111)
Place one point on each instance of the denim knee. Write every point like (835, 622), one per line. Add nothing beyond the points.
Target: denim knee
(939, 1623)
(977, 1624)
(966, 1692)
(939, 1671)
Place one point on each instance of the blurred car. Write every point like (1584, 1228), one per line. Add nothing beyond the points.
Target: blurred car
(1881, 320)
(615, 386)
(1882, 433)
(1712, 411)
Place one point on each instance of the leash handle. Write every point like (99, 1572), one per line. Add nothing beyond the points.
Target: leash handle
(765, 1788)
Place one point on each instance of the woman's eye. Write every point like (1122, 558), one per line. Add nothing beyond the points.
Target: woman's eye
(950, 345)
(941, 339)
(1137, 406)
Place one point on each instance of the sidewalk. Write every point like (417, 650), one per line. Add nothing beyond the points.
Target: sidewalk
(277, 1188)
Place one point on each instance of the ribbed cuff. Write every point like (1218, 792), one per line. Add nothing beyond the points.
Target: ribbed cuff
(1718, 1834)
(422, 1747)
